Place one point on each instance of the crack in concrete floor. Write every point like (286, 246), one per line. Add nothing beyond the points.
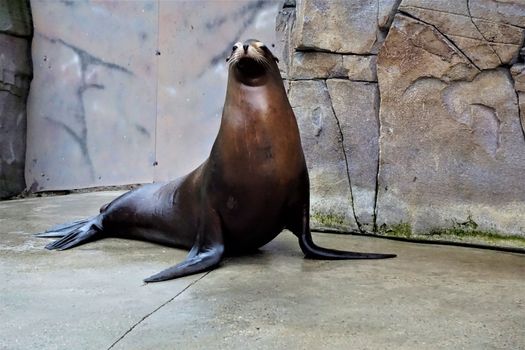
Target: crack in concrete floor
(158, 308)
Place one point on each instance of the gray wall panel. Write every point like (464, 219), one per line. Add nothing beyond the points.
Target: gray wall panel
(120, 86)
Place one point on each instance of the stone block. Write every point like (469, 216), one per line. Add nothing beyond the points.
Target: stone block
(452, 148)
(485, 38)
(356, 106)
(330, 196)
(509, 11)
(316, 65)
(337, 26)
(361, 68)
(284, 47)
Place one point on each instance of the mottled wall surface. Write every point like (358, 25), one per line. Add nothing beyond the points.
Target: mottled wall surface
(413, 118)
(130, 91)
(195, 37)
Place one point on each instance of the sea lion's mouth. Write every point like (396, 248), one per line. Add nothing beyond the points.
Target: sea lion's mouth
(250, 67)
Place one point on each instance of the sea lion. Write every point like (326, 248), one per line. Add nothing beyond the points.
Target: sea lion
(253, 185)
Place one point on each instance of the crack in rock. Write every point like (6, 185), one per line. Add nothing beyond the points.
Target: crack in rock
(359, 226)
(445, 36)
(480, 33)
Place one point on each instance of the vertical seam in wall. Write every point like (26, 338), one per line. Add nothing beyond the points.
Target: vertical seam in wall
(378, 104)
(345, 157)
(376, 194)
(157, 59)
(519, 114)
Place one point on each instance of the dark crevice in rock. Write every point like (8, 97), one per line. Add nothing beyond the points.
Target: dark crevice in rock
(432, 10)
(520, 116)
(480, 33)
(346, 78)
(359, 226)
(315, 79)
(445, 36)
(289, 4)
(378, 168)
(519, 59)
(361, 81)
(386, 28)
(316, 49)
(519, 107)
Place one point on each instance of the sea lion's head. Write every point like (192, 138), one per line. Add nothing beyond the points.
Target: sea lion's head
(252, 62)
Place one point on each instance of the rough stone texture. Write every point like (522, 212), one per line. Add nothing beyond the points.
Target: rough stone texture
(283, 32)
(482, 33)
(356, 106)
(15, 75)
(322, 65)
(315, 65)
(360, 68)
(450, 137)
(385, 13)
(518, 74)
(508, 11)
(331, 199)
(521, 104)
(452, 147)
(337, 26)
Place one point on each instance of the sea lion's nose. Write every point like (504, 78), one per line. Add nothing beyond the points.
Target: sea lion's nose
(245, 47)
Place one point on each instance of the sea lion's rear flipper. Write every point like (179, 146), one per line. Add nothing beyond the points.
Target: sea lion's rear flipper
(206, 253)
(73, 234)
(313, 251)
(62, 229)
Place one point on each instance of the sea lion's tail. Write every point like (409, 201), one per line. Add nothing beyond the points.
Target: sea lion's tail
(74, 233)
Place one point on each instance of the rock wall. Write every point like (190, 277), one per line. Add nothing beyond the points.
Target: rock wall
(15, 75)
(411, 112)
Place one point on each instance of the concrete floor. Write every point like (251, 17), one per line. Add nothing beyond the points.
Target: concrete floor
(92, 297)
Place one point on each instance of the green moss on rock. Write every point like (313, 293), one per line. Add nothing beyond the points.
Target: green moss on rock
(402, 229)
(467, 231)
(328, 219)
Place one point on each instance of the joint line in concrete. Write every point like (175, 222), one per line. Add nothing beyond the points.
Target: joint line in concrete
(157, 309)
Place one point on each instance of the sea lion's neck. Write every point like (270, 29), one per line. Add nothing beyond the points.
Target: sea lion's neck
(253, 101)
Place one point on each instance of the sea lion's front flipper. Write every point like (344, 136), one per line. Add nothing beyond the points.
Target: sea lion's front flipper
(205, 254)
(313, 251)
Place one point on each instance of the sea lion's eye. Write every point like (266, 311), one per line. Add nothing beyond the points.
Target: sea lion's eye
(234, 47)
